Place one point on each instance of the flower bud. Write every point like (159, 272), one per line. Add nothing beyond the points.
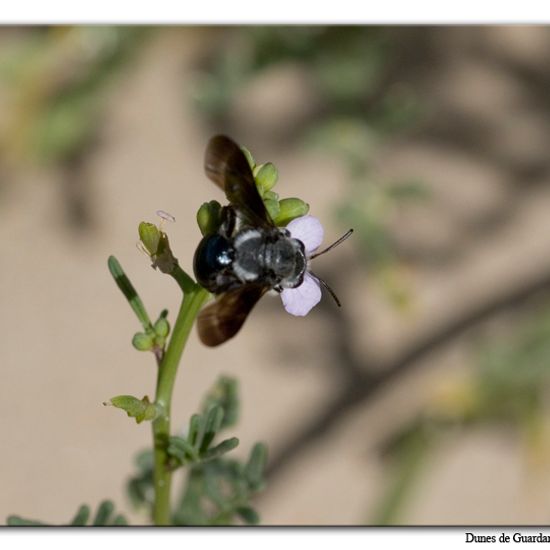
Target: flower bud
(164, 259)
(155, 242)
(209, 217)
(266, 176)
(290, 209)
(149, 235)
(142, 341)
(272, 206)
(162, 327)
(159, 341)
(270, 195)
(249, 157)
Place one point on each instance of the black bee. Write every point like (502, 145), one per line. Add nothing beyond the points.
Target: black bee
(248, 254)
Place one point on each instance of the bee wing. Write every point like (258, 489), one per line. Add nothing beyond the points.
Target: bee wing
(221, 320)
(226, 165)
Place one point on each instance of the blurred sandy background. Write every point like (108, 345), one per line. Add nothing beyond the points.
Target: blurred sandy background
(424, 399)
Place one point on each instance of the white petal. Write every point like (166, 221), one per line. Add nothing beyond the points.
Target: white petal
(309, 230)
(299, 301)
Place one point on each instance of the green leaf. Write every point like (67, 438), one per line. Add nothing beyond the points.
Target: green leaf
(181, 449)
(18, 521)
(129, 292)
(201, 432)
(194, 428)
(82, 516)
(140, 409)
(254, 469)
(190, 510)
(225, 394)
(248, 515)
(140, 488)
(104, 511)
(213, 424)
(120, 520)
(144, 460)
(219, 450)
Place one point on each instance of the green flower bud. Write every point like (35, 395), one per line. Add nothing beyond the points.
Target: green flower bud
(271, 195)
(266, 176)
(159, 341)
(142, 341)
(272, 206)
(155, 242)
(164, 259)
(162, 327)
(290, 209)
(249, 157)
(149, 235)
(209, 217)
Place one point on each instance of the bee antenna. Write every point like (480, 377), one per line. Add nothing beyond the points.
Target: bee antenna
(325, 285)
(336, 243)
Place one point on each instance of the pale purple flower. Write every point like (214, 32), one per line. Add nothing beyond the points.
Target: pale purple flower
(300, 300)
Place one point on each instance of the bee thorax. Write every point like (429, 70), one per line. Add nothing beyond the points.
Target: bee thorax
(248, 263)
(269, 256)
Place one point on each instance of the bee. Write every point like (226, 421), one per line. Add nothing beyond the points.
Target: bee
(248, 254)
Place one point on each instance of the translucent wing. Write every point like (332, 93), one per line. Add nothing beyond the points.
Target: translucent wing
(221, 320)
(226, 165)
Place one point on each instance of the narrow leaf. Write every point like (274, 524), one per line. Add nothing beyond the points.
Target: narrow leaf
(18, 521)
(144, 460)
(219, 450)
(194, 427)
(82, 516)
(129, 292)
(104, 512)
(201, 431)
(254, 469)
(181, 449)
(248, 515)
(225, 394)
(214, 421)
(120, 520)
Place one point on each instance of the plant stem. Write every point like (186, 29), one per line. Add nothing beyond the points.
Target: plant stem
(190, 307)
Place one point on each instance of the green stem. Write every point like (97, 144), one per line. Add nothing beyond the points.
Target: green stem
(193, 299)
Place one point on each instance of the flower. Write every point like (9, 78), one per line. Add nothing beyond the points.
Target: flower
(301, 299)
